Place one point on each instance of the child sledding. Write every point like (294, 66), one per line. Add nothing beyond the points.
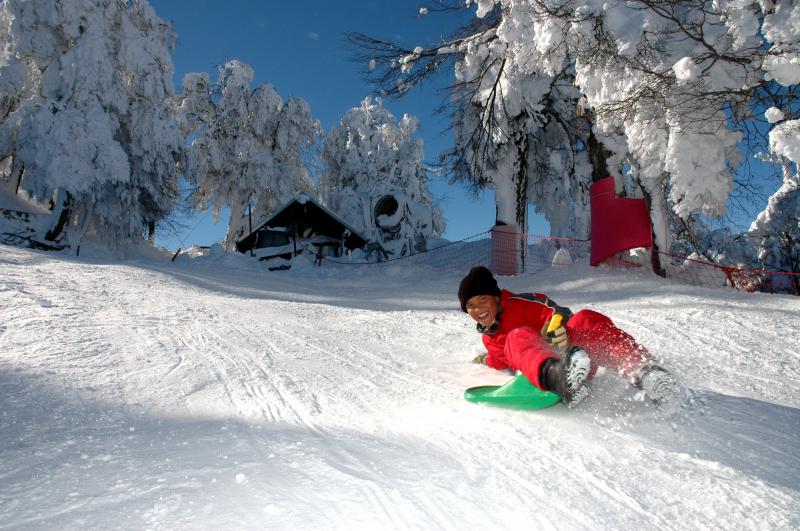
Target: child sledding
(557, 350)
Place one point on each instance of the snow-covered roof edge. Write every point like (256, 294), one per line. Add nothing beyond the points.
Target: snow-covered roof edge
(302, 198)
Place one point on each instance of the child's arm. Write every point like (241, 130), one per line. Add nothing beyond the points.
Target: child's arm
(540, 309)
(495, 360)
(493, 357)
(544, 314)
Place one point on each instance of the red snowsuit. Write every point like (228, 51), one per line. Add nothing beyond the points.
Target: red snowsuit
(517, 342)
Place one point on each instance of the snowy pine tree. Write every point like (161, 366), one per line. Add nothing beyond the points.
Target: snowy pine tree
(88, 125)
(375, 178)
(248, 145)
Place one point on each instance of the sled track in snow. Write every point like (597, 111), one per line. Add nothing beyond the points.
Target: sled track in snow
(248, 407)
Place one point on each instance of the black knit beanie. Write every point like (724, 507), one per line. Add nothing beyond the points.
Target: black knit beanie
(479, 281)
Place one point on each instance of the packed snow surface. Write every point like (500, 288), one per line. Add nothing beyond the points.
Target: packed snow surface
(209, 394)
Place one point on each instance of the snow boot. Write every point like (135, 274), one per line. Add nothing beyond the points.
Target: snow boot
(566, 376)
(658, 385)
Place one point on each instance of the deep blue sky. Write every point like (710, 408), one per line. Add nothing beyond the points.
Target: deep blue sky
(298, 47)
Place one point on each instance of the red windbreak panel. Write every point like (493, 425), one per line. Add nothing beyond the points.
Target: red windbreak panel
(618, 223)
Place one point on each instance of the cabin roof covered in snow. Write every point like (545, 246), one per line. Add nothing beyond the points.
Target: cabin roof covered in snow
(283, 216)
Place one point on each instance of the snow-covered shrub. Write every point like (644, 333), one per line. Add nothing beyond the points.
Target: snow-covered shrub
(777, 229)
(86, 113)
(375, 178)
(699, 271)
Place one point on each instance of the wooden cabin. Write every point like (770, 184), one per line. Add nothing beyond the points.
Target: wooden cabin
(301, 226)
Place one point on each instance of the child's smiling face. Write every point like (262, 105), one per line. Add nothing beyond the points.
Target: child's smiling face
(483, 308)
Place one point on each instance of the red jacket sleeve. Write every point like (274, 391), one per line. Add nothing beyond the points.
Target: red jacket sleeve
(495, 358)
(537, 311)
(538, 315)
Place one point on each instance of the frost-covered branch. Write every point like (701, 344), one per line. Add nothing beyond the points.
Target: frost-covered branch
(249, 146)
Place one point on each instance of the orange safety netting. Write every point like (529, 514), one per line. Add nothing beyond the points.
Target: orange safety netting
(709, 274)
(529, 253)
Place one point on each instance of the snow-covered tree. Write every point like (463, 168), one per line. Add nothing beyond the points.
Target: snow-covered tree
(247, 147)
(375, 178)
(86, 122)
(518, 134)
(776, 230)
(680, 80)
(682, 83)
(14, 89)
(515, 132)
(702, 237)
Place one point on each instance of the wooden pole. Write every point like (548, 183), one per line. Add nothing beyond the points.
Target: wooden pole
(294, 229)
(250, 222)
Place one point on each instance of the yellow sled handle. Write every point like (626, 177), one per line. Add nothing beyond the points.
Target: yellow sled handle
(555, 322)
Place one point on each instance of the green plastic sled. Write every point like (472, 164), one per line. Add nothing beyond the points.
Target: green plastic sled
(517, 393)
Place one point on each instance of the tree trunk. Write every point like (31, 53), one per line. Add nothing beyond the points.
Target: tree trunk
(151, 231)
(19, 171)
(598, 156)
(79, 223)
(655, 257)
(521, 196)
(235, 224)
(57, 231)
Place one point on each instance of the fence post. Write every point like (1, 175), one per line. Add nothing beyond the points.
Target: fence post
(729, 275)
(505, 258)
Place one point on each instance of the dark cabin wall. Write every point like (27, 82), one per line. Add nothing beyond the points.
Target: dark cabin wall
(297, 218)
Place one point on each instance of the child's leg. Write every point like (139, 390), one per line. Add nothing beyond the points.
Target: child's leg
(526, 350)
(606, 344)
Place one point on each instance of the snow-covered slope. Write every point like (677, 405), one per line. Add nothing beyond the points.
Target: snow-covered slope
(209, 395)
